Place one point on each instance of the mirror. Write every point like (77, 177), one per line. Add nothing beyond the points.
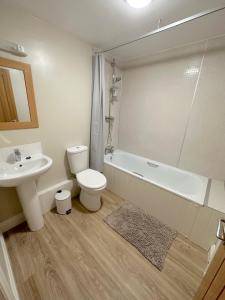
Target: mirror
(17, 103)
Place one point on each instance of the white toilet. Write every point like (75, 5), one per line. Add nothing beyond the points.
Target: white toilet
(91, 182)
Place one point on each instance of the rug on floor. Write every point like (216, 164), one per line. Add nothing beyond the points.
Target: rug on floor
(151, 237)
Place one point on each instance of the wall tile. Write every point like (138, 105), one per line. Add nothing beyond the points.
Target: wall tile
(155, 104)
(204, 146)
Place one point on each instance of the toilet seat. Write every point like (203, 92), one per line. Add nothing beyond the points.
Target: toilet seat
(91, 179)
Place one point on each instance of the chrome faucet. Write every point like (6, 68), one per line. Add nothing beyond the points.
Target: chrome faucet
(109, 149)
(17, 155)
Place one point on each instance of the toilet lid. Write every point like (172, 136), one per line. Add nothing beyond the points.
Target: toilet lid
(91, 179)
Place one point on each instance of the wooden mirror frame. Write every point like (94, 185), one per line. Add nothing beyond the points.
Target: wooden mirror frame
(26, 69)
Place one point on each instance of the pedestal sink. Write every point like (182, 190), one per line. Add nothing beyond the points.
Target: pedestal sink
(22, 175)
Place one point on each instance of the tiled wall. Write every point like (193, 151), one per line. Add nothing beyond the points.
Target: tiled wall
(204, 147)
(173, 109)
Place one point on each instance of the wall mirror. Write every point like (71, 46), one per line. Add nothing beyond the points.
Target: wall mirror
(17, 101)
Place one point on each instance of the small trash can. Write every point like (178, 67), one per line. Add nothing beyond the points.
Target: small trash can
(63, 202)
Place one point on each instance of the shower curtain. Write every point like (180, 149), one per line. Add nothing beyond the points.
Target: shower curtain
(97, 114)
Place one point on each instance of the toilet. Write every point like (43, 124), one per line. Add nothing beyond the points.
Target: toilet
(91, 182)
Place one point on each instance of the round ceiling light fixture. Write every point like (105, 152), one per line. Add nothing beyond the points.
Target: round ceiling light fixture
(138, 3)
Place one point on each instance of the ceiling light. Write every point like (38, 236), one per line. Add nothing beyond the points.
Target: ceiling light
(138, 3)
(191, 71)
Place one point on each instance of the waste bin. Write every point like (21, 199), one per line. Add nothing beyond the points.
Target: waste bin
(63, 202)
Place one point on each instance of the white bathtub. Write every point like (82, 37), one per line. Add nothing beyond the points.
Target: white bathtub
(173, 196)
(182, 183)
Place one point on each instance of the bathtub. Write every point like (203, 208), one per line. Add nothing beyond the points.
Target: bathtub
(175, 197)
(185, 184)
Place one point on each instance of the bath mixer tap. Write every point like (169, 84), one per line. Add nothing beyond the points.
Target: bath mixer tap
(17, 155)
(109, 149)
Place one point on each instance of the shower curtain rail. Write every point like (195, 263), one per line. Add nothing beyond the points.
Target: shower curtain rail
(166, 27)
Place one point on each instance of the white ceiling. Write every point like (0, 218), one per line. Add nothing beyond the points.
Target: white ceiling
(105, 23)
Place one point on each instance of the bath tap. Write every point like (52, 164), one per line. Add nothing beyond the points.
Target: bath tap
(109, 149)
(17, 155)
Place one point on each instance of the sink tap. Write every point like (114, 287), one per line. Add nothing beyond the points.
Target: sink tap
(109, 149)
(17, 155)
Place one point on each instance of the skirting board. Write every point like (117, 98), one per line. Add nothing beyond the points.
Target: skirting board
(12, 222)
(8, 282)
(47, 202)
(47, 196)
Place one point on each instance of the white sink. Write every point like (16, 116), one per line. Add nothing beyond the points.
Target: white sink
(14, 174)
(22, 175)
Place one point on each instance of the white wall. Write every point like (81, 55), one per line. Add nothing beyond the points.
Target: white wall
(156, 109)
(61, 69)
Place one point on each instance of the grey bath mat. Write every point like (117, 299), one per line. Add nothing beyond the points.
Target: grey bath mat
(151, 237)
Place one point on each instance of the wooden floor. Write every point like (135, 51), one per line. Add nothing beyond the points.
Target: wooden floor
(80, 257)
